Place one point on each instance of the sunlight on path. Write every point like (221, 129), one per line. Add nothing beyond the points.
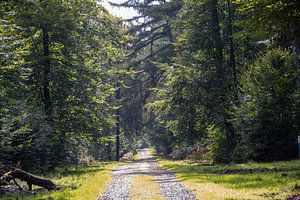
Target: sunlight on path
(120, 185)
(144, 175)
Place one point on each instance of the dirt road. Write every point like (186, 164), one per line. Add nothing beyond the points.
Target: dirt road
(170, 187)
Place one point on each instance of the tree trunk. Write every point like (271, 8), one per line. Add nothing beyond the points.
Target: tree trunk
(118, 97)
(220, 72)
(232, 55)
(217, 42)
(295, 43)
(46, 63)
(109, 147)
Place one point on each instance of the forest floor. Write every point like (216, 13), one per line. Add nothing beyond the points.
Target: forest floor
(141, 179)
(273, 180)
(150, 178)
(79, 182)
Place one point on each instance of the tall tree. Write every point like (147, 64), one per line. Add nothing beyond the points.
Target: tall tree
(118, 98)
(62, 77)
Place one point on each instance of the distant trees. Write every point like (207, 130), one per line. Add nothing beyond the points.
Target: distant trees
(226, 86)
(152, 44)
(220, 75)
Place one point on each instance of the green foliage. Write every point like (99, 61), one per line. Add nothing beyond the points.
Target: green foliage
(265, 118)
(278, 19)
(191, 78)
(212, 94)
(216, 144)
(194, 95)
(84, 43)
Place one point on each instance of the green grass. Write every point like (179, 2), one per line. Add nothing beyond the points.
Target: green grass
(77, 182)
(149, 191)
(213, 182)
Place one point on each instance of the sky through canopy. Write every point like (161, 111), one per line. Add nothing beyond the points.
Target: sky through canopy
(125, 13)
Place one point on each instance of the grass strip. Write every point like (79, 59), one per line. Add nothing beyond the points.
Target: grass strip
(143, 187)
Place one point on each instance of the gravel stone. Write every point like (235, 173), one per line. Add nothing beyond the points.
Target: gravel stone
(170, 187)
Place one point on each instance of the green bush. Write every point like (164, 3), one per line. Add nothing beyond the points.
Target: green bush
(266, 119)
(216, 144)
(179, 153)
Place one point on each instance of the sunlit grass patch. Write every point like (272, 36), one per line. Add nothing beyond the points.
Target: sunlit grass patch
(76, 182)
(274, 180)
(218, 192)
(143, 187)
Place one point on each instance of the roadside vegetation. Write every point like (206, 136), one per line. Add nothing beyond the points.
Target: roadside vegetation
(272, 180)
(76, 182)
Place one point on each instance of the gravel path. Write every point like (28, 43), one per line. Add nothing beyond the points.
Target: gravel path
(170, 187)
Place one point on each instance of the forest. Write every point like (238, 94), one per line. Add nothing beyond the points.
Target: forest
(217, 81)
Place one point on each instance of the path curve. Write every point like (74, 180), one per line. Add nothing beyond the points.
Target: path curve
(170, 187)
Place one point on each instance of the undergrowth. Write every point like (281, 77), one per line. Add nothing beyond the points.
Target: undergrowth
(75, 182)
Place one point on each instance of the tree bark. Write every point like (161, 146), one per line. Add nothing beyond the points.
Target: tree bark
(220, 71)
(295, 43)
(118, 97)
(217, 42)
(46, 63)
(232, 55)
(109, 147)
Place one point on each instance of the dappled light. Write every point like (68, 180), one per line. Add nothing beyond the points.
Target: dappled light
(149, 99)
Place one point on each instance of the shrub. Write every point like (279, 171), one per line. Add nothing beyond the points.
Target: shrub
(266, 119)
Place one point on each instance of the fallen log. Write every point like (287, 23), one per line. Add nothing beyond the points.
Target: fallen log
(8, 190)
(29, 178)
